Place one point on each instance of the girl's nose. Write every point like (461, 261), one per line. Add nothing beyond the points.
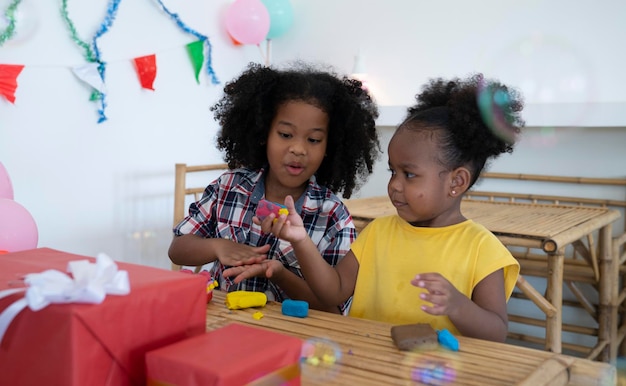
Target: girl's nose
(394, 185)
(297, 148)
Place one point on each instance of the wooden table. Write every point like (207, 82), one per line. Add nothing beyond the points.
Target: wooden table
(549, 228)
(366, 355)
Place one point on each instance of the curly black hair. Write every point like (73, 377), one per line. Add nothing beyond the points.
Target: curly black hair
(250, 102)
(475, 119)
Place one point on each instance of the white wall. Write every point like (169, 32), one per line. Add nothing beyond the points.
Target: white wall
(584, 152)
(108, 187)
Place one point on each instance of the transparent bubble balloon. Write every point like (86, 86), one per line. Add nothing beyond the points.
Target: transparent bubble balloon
(497, 107)
(547, 70)
(430, 371)
(319, 359)
(26, 23)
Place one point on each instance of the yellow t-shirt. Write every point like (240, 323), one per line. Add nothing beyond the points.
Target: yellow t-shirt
(391, 252)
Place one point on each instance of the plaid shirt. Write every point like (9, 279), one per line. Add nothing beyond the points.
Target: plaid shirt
(226, 209)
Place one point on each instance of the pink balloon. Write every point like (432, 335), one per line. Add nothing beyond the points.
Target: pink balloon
(247, 21)
(18, 231)
(6, 189)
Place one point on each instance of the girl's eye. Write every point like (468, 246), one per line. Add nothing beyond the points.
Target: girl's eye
(284, 135)
(406, 174)
(314, 140)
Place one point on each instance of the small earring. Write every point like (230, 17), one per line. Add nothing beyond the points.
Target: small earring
(454, 192)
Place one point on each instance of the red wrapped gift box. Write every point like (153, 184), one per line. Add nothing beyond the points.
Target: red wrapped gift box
(229, 356)
(96, 344)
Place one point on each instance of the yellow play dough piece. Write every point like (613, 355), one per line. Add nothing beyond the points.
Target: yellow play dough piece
(245, 299)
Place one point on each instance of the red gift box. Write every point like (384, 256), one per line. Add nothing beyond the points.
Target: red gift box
(95, 344)
(229, 356)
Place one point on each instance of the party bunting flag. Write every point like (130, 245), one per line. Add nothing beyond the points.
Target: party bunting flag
(8, 80)
(146, 70)
(196, 52)
(89, 74)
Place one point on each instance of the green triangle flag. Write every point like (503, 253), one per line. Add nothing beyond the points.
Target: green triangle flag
(196, 52)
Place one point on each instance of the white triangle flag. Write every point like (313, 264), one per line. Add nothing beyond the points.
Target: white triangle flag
(89, 74)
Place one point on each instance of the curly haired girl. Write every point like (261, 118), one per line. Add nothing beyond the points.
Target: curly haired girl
(300, 132)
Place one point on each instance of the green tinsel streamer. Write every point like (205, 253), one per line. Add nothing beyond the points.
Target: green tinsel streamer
(8, 33)
(89, 54)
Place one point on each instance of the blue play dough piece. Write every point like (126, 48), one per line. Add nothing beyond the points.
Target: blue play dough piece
(297, 308)
(447, 340)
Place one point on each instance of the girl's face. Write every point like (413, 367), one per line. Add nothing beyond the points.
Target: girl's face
(420, 186)
(296, 146)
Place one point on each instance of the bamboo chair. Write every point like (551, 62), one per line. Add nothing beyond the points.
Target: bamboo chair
(184, 194)
(581, 268)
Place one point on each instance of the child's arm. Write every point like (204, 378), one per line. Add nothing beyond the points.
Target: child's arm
(196, 250)
(330, 286)
(484, 316)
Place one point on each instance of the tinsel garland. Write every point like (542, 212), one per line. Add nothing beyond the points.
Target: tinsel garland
(104, 28)
(198, 35)
(89, 55)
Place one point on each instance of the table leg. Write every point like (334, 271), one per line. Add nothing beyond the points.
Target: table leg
(554, 294)
(609, 294)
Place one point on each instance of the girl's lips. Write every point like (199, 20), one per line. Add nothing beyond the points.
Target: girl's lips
(295, 169)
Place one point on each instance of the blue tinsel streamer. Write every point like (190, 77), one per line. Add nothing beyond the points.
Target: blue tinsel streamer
(104, 28)
(198, 35)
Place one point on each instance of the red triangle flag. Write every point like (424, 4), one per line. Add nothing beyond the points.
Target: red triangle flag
(8, 80)
(146, 69)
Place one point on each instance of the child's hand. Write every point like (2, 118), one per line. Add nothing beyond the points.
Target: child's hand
(287, 227)
(235, 254)
(445, 298)
(267, 269)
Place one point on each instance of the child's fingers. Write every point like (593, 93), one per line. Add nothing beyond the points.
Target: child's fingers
(243, 272)
(434, 297)
(261, 269)
(434, 309)
(430, 285)
(252, 260)
(269, 271)
(290, 204)
(245, 260)
(429, 276)
(277, 226)
(232, 271)
(263, 249)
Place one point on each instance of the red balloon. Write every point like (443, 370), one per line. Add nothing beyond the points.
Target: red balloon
(247, 21)
(18, 230)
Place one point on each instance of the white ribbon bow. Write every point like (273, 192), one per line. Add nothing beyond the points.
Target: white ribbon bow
(90, 283)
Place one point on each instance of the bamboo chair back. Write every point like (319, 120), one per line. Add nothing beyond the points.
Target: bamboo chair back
(581, 265)
(189, 184)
